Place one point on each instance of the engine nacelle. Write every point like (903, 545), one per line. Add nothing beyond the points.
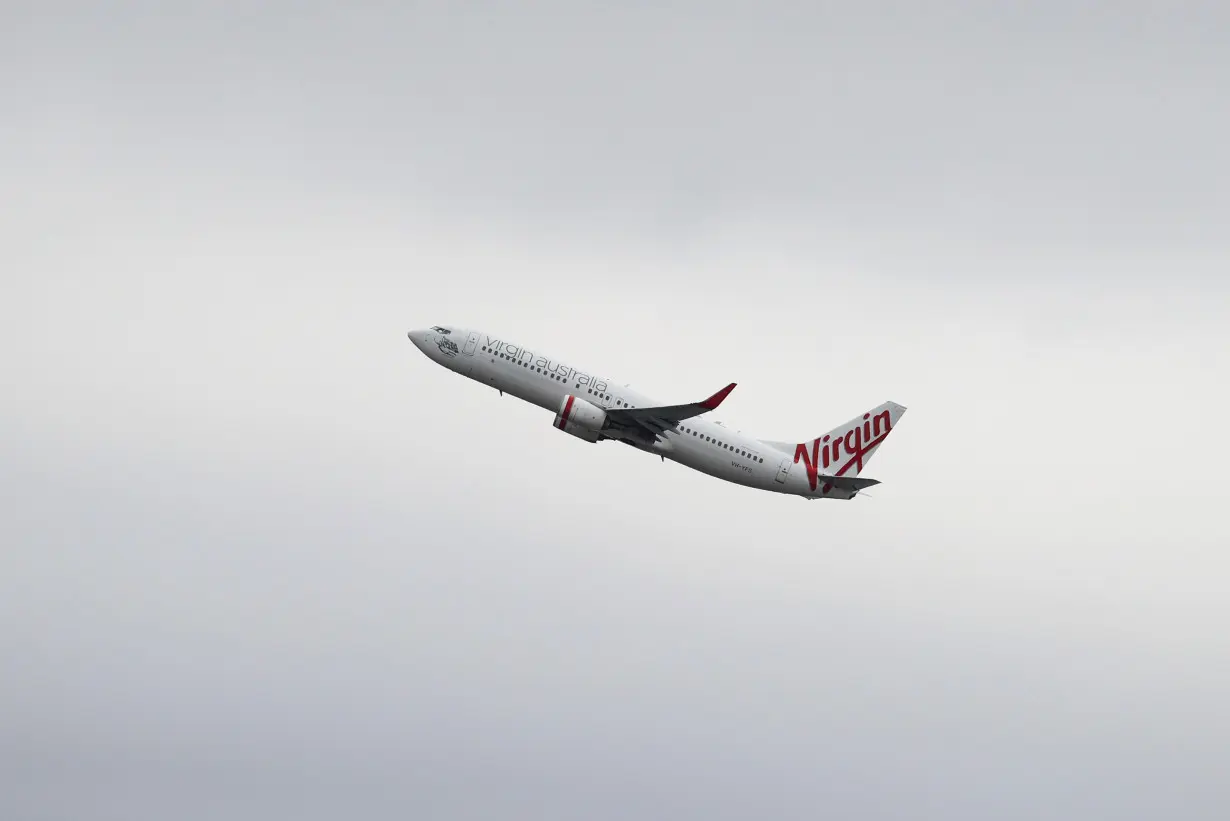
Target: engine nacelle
(582, 419)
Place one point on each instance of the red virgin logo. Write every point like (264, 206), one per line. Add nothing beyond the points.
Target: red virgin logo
(843, 450)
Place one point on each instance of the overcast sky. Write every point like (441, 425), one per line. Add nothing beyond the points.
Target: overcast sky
(262, 559)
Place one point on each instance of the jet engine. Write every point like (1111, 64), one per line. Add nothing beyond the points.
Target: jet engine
(582, 419)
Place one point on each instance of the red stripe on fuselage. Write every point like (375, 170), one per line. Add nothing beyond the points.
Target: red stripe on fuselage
(567, 411)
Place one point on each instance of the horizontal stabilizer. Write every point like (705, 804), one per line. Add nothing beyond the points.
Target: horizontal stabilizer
(846, 482)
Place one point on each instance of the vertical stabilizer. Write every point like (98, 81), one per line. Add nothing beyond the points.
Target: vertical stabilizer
(845, 450)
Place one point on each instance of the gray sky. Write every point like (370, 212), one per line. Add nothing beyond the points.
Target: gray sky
(261, 558)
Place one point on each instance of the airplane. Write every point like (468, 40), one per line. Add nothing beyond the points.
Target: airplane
(595, 409)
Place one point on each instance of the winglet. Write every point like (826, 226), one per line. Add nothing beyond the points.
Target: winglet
(713, 401)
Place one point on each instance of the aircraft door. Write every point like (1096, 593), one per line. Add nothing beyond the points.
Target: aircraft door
(471, 343)
(783, 470)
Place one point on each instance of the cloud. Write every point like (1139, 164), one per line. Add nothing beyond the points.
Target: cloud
(266, 558)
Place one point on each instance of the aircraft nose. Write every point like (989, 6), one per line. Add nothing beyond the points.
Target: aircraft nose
(419, 338)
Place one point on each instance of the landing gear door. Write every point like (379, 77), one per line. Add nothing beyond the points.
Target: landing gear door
(471, 343)
(783, 470)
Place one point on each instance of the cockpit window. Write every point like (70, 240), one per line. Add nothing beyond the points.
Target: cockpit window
(440, 330)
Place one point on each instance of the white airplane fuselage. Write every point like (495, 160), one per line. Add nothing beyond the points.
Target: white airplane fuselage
(697, 442)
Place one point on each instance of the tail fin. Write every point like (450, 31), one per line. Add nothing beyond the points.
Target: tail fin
(845, 450)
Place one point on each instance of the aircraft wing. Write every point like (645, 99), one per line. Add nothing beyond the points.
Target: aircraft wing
(663, 417)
